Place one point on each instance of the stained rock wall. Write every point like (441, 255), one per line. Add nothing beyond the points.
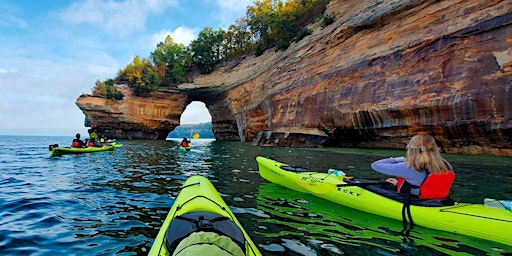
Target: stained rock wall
(382, 72)
(134, 117)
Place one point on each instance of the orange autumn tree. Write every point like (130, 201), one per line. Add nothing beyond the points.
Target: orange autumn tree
(140, 75)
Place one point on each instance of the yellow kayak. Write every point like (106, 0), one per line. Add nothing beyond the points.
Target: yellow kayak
(474, 220)
(201, 223)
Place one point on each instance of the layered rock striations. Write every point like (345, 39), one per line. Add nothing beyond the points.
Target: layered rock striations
(382, 72)
(134, 117)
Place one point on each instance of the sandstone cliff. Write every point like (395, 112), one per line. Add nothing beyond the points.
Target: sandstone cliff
(382, 72)
(134, 117)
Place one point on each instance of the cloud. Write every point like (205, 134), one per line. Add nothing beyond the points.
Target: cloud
(40, 98)
(121, 18)
(10, 20)
(181, 35)
(231, 10)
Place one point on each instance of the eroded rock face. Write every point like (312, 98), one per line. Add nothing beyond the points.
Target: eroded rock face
(134, 117)
(383, 72)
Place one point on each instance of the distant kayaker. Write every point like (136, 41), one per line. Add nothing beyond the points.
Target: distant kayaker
(77, 142)
(423, 171)
(185, 142)
(104, 141)
(94, 142)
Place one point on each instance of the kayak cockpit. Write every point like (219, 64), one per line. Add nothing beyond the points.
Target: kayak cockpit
(202, 229)
(389, 191)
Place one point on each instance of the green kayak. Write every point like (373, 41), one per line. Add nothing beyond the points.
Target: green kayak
(187, 148)
(201, 223)
(469, 219)
(59, 151)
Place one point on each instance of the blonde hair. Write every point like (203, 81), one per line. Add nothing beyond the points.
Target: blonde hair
(423, 154)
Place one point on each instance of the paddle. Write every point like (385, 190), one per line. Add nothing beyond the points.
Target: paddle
(322, 188)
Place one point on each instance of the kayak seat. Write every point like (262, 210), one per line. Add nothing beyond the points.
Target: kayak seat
(389, 191)
(186, 224)
(295, 169)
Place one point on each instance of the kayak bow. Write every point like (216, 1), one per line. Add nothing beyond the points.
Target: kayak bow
(198, 210)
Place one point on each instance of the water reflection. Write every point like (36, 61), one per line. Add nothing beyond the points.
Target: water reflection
(297, 221)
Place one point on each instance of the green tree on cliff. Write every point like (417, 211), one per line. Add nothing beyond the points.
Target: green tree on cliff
(278, 23)
(207, 49)
(107, 90)
(237, 39)
(169, 56)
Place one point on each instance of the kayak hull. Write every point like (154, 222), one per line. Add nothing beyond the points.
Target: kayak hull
(198, 194)
(462, 218)
(187, 148)
(58, 151)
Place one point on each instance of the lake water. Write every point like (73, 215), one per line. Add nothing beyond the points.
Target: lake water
(113, 203)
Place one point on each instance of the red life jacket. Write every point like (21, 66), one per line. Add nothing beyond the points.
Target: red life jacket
(184, 144)
(435, 186)
(75, 144)
(90, 144)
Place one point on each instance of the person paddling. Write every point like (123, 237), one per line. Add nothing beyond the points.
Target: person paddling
(185, 142)
(94, 141)
(423, 172)
(77, 142)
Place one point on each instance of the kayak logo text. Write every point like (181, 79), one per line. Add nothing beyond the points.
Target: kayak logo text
(349, 192)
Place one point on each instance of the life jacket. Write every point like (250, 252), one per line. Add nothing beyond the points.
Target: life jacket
(75, 144)
(435, 186)
(184, 144)
(91, 144)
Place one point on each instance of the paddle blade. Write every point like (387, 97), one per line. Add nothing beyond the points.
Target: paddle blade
(195, 136)
(317, 187)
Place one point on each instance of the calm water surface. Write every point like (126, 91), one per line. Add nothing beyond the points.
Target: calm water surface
(113, 203)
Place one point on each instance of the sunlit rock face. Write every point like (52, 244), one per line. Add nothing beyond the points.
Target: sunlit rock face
(134, 117)
(381, 73)
(386, 71)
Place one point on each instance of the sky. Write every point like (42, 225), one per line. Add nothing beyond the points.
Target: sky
(52, 51)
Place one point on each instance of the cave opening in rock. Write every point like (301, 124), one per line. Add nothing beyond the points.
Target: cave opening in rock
(195, 121)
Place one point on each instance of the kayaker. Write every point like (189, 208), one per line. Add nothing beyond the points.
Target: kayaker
(77, 142)
(423, 172)
(104, 141)
(185, 142)
(94, 142)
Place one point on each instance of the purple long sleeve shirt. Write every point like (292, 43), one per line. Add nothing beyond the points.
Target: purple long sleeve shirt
(397, 167)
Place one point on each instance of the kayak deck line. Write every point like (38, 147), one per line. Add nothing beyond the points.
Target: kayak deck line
(472, 215)
(205, 197)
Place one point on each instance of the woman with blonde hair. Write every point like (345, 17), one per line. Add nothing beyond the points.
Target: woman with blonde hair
(423, 172)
